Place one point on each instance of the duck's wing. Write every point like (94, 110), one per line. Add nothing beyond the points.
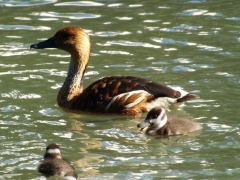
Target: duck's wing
(122, 94)
(114, 85)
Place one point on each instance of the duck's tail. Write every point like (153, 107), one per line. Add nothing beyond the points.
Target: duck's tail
(188, 97)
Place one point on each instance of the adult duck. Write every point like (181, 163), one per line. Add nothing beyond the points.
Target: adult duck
(114, 94)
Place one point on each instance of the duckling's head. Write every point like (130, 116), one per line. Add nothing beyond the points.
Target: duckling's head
(52, 152)
(71, 39)
(156, 118)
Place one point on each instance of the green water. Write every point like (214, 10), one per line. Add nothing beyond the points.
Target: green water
(189, 44)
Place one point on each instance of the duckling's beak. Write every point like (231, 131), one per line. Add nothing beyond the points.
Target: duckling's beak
(50, 43)
(144, 124)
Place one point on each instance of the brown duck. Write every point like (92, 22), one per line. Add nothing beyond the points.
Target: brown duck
(114, 94)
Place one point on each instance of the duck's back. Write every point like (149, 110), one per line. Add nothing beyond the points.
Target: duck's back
(99, 94)
(177, 126)
(55, 167)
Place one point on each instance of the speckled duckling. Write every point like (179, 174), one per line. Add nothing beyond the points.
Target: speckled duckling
(159, 124)
(55, 165)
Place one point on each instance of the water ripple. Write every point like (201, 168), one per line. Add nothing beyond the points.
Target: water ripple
(62, 134)
(23, 18)
(55, 123)
(14, 49)
(50, 112)
(10, 108)
(17, 27)
(79, 3)
(208, 48)
(64, 15)
(226, 74)
(115, 5)
(193, 12)
(172, 41)
(111, 33)
(183, 68)
(151, 21)
(183, 60)
(129, 43)
(16, 3)
(116, 52)
(181, 28)
(115, 146)
(124, 18)
(135, 5)
(16, 94)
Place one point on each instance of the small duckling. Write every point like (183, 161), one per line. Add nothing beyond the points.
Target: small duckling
(55, 165)
(159, 124)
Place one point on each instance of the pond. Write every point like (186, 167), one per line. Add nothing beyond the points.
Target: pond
(192, 44)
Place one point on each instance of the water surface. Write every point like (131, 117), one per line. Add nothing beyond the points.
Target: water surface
(189, 44)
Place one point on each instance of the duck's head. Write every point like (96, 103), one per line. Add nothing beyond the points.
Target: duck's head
(156, 118)
(52, 152)
(71, 39)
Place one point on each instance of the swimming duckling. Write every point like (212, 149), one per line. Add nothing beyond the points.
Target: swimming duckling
(55, 165)
(158, 124)
(126, 95)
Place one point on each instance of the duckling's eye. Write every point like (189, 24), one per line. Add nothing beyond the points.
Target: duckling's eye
(154, 116)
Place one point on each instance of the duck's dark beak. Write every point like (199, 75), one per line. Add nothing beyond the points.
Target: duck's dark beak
(50, 43)
(144, 123)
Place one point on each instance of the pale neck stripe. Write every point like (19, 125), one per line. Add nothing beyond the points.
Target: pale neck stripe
(69, 178)
(53, 151)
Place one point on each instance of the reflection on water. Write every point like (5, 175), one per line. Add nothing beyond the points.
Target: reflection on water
(187, 44)
(17, 3)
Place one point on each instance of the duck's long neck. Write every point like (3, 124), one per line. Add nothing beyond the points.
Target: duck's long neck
(72, 88)
(73, 84)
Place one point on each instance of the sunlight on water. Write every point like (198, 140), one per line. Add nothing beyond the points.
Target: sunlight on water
(135, 5)
(67, 135)
(190, 44)
(209, 48)
(50, 112)
(60, 122)
(14, 3)
(224, 74)
(16, 94)
(107, 34)
(219, 127)
(80, 3)
(56, 16)
(129, 43)
(172, 41)
(193, 12)
(18, 27)
(183, 68)
(116, 52)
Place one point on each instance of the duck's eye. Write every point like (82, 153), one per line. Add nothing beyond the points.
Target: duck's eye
(155, 116)
(66, 35)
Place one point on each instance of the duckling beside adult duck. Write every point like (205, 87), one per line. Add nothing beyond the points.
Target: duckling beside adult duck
(159, 124)
(114, 94)
(55, 165)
